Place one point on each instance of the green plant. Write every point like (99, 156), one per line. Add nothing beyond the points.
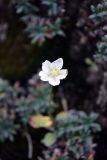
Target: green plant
(18, 105)
(102, 48)
(74, 129)
(8, 129)
(33, 105)
(99, 11)
(40, 26)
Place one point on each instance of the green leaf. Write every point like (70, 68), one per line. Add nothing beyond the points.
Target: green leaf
(49, 139)
(38, 121)
(61, 115)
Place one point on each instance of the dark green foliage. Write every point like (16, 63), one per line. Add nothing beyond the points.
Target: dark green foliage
(102, 48)
(76, 128)
(35, 103)
(7, 129)
(75, 131)
(25, 6)
(41, 26)
(99, 11)
(77, 122)
(17, 105)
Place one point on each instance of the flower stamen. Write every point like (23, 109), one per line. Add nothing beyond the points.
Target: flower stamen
(53, 72)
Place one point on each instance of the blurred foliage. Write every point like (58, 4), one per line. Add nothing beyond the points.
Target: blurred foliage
(67, 133)
(99, 18)
(15, 48)
(18, 105)
(32, 106)
(74, 130)
(7, 129)
(43, 19)
(99, 10)
(102, 47)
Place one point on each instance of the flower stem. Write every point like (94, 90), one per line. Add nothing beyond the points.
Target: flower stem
(50, 100)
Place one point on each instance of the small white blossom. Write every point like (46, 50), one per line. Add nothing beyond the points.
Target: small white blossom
(53, 72)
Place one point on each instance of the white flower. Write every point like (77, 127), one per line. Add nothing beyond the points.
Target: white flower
(53, 72)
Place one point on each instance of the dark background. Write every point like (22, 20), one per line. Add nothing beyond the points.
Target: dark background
(19, 60)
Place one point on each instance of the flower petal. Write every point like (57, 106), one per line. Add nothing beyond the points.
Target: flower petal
(46, 65)
(63, 73)
(54, 81)
(58, 63)
(43, 76)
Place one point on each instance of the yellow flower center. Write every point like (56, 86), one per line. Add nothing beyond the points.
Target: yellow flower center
(53, 72)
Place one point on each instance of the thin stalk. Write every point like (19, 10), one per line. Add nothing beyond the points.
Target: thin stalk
(30, 144)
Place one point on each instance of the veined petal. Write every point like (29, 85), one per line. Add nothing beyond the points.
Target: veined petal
(54, 81)
(58, 63)
(63, 74)
(46, 65)
(43, 76)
